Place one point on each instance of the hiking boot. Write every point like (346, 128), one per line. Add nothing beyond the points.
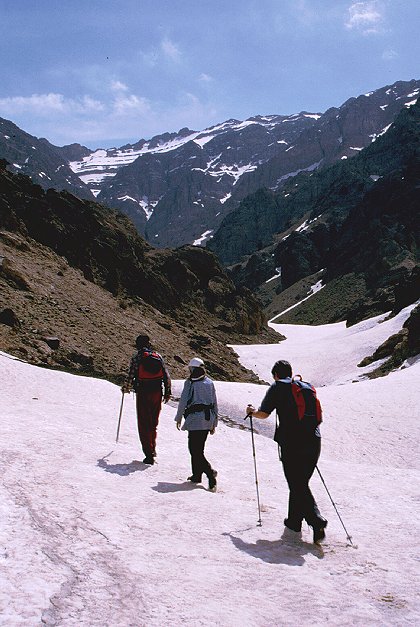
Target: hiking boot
(194, 479)
(212, 481)
(294, 526)
(148, 460)
(319, 532)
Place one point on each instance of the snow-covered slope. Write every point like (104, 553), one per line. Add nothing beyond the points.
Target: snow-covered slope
(91, 536)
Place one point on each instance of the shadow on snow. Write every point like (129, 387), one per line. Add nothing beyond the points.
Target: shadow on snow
(176, 487)
(121, 469)
(287, 550)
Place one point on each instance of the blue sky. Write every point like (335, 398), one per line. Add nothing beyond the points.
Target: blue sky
(107, 72)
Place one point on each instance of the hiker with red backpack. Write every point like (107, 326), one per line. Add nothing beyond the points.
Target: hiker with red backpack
(298, 436)
(147, 374)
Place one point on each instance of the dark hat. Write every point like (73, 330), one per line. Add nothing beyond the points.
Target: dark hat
(142, 341)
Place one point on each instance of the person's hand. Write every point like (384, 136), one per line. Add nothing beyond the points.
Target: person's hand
(178, 425)
(212, 431)
(249, 409)
(125, 389)
(166, 398)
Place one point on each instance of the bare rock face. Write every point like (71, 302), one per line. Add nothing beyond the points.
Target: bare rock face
(9, 318)
(413, 327)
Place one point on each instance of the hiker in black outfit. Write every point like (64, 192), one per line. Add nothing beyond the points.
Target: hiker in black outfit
(300, 448)
(198, 405)
(147, 374)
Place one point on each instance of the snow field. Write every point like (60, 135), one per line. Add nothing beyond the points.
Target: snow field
(91, 536)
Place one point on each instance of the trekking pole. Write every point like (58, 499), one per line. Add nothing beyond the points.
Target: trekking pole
(119, 419)
(255, 469)
(325, 486)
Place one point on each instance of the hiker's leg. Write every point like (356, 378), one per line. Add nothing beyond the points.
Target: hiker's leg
(309, 461)
(196, 443)
(155, 405)
(148, 410)
(292, 473)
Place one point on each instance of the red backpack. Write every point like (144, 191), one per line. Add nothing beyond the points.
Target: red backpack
(150, 366)
(307, 403)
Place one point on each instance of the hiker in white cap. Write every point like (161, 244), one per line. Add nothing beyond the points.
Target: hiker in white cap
(198, 406)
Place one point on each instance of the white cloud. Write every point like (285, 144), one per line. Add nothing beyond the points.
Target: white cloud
(47, 104)
(205, 78)
(304, 13)
(123, 115)
(130, 104)
(170, 50)
(118, 86)
(389, 54)
(366, 17)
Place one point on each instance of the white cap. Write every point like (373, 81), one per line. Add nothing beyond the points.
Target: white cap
(196, 362)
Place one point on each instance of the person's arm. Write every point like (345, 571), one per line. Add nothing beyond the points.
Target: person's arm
(267, 405)
(166, 383)
(216, 411)
(182, 403)
(255, 413)
(128, 382)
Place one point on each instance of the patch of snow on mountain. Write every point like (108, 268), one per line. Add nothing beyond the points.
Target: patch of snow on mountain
(275, 276)
(205, 236)
(201, 141)
(234, 171)
(411, 103)
(305, 225)
(144, 203)
(312, 290)
(375, 136)
(225, 198)
(310, 168)
(95, 177)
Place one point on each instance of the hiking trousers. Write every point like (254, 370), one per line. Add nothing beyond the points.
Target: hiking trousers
(199, 464)
(148, 404)
(299, 460)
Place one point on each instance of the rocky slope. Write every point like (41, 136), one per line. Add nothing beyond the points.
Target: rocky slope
(78, 284)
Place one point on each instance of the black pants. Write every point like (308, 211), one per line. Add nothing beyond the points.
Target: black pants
(199, 464)
(299, 461)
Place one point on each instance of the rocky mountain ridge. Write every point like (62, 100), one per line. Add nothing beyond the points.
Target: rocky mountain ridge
(39, 160)
(178, 187)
